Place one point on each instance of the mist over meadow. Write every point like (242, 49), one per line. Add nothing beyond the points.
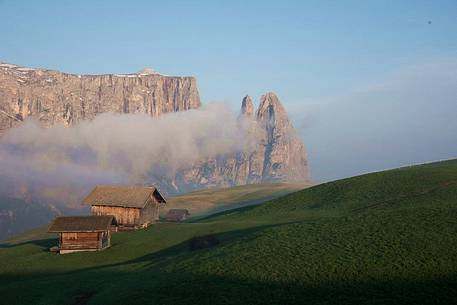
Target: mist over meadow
(62, 164)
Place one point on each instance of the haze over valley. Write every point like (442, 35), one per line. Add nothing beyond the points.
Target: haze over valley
(62, 134)
(228, 152)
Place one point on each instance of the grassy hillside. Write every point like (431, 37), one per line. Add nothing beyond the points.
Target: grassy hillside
(382, 238)
(210, 201)
(199, 203)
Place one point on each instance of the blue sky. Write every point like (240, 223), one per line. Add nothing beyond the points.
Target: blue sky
(323, 59)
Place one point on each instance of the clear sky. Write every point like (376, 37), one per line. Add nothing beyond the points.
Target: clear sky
(358, 77)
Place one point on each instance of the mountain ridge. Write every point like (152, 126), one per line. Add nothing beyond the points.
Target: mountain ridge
(53, 97)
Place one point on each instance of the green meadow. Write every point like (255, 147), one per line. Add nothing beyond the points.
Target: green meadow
(382, 238)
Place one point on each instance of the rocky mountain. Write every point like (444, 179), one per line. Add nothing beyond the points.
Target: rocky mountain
(280, 154)
(55, 97)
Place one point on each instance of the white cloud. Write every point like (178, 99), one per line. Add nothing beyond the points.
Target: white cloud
(116, 148)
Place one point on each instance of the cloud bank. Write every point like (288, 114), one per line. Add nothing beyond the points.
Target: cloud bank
(62, 163)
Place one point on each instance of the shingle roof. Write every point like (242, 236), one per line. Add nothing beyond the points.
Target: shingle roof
(81, 224)
(122, 196)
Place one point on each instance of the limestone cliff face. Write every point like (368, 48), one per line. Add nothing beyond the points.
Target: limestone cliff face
(284, 152)
(247, 106)
(56, 97)
(280, 154)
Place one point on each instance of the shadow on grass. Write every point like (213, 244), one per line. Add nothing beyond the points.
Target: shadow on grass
(156, 286)
(159, 258)
(225, 212)
(191, 288)
(158, 282)
(44, 243)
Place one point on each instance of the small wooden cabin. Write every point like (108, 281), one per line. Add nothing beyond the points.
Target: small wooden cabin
(83, 233)
(177, 215)
(132, 206)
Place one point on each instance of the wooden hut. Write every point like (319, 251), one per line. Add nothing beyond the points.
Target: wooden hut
(132, 206)
(83, 233)
(177, 215)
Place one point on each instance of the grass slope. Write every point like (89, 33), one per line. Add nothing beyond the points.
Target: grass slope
(381, 238)
(199, 203)
(205, 202)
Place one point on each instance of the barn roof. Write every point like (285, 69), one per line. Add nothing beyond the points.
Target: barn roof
(82, 224)
(177, 214)
(122, 196)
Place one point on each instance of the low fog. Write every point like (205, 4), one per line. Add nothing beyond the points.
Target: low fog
(61, 164)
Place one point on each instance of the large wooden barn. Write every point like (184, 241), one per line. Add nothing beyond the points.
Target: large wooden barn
(132, 206)
(83, 233)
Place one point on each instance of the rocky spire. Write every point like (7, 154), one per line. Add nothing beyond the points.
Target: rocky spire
(284, 154)
(277, 153)
(247, 107)
(271, 107)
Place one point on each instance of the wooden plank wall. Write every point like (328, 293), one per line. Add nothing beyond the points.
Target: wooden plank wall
(79, 240)
(106, 240)
(124, 216)
(150, 213)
